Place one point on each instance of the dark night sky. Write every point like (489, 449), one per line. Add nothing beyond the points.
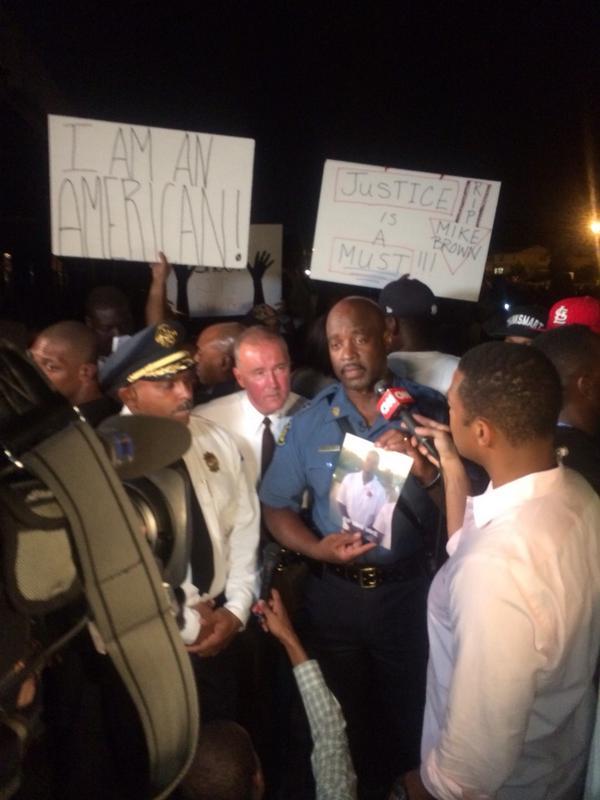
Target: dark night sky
(467, 89)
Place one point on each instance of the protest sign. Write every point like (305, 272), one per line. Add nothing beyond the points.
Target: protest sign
(376, 224)
(120, 191)
(225, 292)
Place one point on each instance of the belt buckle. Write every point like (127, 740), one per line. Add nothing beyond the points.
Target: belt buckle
(367, 577)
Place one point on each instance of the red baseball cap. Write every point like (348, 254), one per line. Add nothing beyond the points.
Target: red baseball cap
(576, 311)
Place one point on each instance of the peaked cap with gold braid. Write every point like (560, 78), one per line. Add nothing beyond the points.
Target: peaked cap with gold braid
(155, 353)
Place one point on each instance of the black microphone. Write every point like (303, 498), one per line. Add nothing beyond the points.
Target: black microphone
(410, 424)
(391, 405)
(271, 557)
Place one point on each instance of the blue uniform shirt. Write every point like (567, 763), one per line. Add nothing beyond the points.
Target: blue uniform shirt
(307, 455)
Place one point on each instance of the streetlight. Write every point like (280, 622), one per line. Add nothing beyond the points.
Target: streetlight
(595, 229)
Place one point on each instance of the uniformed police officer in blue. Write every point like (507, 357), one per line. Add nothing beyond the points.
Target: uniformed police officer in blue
(364, 612)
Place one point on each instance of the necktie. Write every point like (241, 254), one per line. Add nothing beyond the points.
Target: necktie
(266, 455)
(201, 551)
(268, 446)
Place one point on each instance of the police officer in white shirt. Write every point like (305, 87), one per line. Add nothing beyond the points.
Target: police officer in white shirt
(257, 415)
(152, 374)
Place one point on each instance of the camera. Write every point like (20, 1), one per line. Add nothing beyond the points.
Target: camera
(93, 533)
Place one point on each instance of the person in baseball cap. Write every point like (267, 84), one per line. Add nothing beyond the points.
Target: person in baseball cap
(522, 325)
(408, 298)
(411, 312)
(576, 311)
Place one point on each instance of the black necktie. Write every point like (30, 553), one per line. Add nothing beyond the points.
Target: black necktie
(201, 551)
(268, 446)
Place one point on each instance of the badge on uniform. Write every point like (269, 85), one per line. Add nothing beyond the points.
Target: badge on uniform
(284, 433)
(165, 335)
(212, 462)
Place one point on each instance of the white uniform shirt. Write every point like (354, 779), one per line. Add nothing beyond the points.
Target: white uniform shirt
(362, 500)
(244, 422)
(514, 630)
(231, 512)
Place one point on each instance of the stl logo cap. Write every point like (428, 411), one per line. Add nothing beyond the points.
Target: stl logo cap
(560, 316)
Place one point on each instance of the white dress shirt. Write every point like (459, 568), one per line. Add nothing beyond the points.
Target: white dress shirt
(514, 631)
(363, 501)
(244, 422)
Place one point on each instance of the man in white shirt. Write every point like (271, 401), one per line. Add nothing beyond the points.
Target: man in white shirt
(262, 369)
(151, 373)
(256, 417)
(411, 310)
(514, 614)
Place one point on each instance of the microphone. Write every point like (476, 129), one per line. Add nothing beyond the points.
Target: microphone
(391, 400)
(392, 405)
(271, 558)
(138, 445)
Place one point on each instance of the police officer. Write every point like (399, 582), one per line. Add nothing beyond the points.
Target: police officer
(364, 606)
(152, 374)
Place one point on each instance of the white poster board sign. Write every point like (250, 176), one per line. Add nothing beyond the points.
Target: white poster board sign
(376, 224)
(224, 292)
(120, 191)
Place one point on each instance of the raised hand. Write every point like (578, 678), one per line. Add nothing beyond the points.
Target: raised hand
(262, 262)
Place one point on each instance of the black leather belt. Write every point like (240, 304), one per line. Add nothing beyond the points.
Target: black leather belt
(370, 577)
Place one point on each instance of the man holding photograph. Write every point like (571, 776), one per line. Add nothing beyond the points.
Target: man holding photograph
(364, 606)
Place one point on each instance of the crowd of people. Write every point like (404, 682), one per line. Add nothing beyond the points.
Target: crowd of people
(470, 675)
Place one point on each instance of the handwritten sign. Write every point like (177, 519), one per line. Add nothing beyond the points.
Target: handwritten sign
(376, 224)
(120, 191)
(225, 292)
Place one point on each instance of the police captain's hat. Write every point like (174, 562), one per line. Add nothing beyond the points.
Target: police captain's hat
(408, 297)
(153, 354)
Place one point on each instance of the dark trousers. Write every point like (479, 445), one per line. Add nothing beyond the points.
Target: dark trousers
(217, 683)
(266, 686)
(372, 647)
